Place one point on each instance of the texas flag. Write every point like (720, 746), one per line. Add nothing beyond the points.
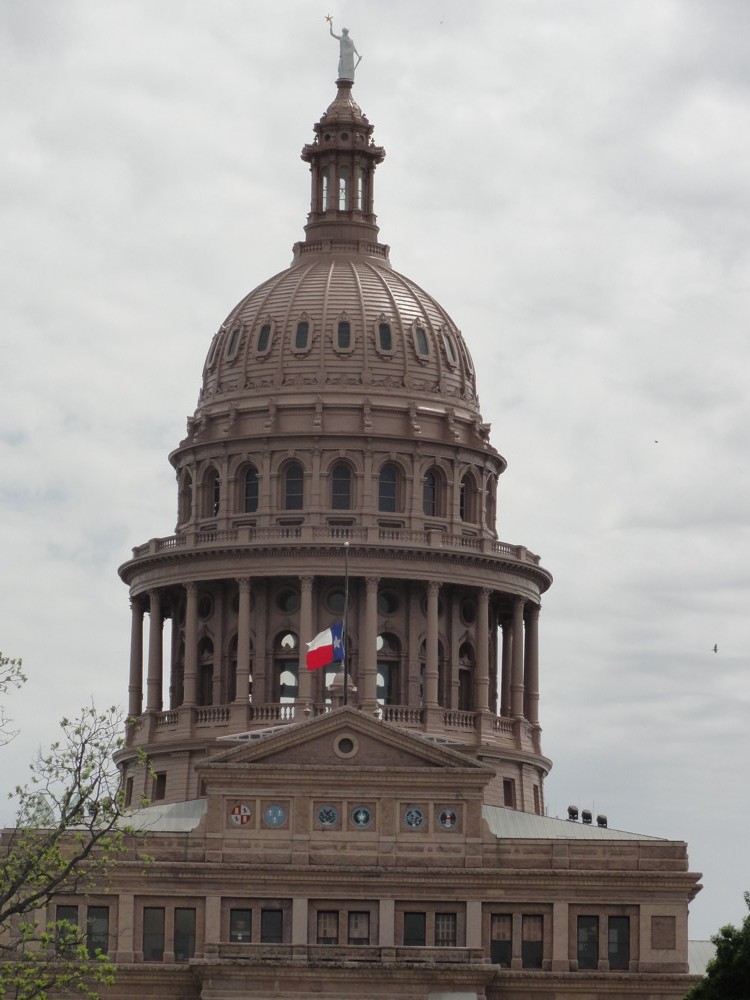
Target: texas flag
(327, 647)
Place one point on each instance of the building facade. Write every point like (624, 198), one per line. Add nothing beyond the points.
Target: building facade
(387, 840)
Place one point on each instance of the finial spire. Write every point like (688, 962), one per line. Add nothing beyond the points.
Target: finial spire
(347, 52)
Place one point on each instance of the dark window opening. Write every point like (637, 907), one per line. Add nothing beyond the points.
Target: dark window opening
(153, 933)
(160, 786)
(388, 489)
(430, 494)
(251, 490)
(128, 797)
(341, 487)
(420, 335)
(446, 930)
(344, 335)
(240, 925)
(234, 342)
(271, 926)
(184, 933)
(532, 929)
(619, 943)
(66, 932)
(501, 937)
(300, 339)
(294, 482)
(415, 930)
(588, 943)
(264, 337)
(97, 930)
(509, 793)
(384, 337)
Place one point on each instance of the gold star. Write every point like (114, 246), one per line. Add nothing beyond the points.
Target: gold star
(329, 18)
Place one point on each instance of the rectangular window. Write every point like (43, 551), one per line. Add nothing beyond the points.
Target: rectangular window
(509, 793)
(446, 930)
(328, 927)
(153, 933)
(532, 930)
(359, 927)
(66, 933)
(271, 926)
(415, 929)
(128, 791)
(537, 805)
(619, 943)
(184, 933)
(97, 930)
(501, 936)
(240, 925)
(588, 942)
(160, 786)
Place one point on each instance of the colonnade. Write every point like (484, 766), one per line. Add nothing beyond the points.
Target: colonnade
(518, 689)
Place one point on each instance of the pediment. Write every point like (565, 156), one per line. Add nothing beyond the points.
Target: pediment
(346, 738)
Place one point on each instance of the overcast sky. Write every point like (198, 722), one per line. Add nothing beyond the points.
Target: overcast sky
(568, 178)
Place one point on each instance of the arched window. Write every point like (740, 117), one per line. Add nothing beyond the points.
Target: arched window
(343, 189)
(205, 671)
(341, 486)
(286, 667)
(467, 500)
(344, 335)
(264, 338)
(466, 677)
(389, 654)
(325, 189)
(212, 493)
(251, 490)
(420, 341)
(450, 349)
(294, 486)
(388, 489)
(186, 498)
(233, 343)
(385, 340)
(302, 335)
(431, 499)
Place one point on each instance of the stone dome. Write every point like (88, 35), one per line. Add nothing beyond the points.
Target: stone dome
(343, 319)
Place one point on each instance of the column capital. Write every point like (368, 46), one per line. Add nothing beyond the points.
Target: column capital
(484, 593)
(433, 586)
(136, 605)
(243, 584)
(306, 583)
(372, 582)
(191, 588)
(531, 611)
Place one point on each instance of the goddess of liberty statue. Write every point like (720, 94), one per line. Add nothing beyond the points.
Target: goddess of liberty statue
(347, 52)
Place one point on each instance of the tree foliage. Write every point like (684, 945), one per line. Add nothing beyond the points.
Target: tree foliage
(68, 835)
(728, 973)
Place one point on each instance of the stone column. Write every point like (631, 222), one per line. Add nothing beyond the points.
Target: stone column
(560, 957)
(431, 659)
(242, 679)
(474, 923)
(304, 677)
(125, 918)
(190, 683)
(135, 684)
(531, 665)
(516, 682)
(482, 688)
(368, 652)
(507, 660)
(155, 656)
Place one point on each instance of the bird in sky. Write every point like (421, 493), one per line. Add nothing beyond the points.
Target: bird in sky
(716, 647)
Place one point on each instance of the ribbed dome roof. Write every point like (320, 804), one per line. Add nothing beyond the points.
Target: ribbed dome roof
(340, 319)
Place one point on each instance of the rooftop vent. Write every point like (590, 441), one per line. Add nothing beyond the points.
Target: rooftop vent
(573, 814)
(586, 816)
(601, 820)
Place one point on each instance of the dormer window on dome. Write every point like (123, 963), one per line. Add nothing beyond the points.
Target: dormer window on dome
(263, 343)
(419, 336)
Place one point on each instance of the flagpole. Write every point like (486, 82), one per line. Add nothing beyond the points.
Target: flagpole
(346, 608)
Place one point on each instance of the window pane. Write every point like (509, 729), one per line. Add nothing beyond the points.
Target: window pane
(421, 338)
(588, 942)
(445, 930)
(251, 491)
(341, 487)
(184, 933)
(153, 933)
(619, 942)
(359, 927)
(344, 335)
(328, 927)
(387, 489)
(271, 926)
(97, 930)
(384, 335)
(430, 494)
(300, 340)
(240, 925)
(532, 929)
(501, 931)
(414, 929)
(66, 935)
(293, 487)
(263, 337)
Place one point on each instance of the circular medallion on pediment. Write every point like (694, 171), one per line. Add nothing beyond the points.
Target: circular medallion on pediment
(361, 817)
(447, 818)
(414, 817)
(240, 814)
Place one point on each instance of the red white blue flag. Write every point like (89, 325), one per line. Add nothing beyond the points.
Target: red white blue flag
(327, 647)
